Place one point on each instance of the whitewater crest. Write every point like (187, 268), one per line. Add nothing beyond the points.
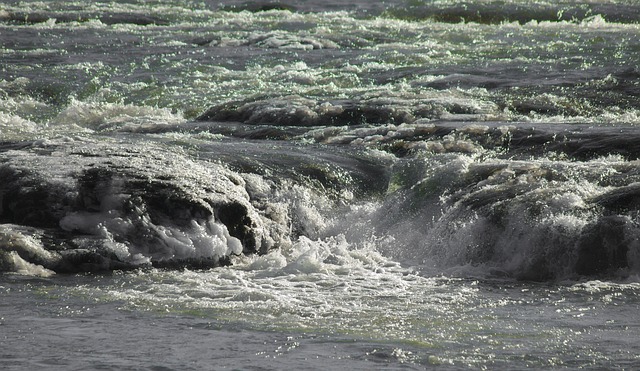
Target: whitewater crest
(435, 196)
(530, 220)
(112, 203)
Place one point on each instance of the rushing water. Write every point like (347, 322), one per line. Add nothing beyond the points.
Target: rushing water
(319, 185)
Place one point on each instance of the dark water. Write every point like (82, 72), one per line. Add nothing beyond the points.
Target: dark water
(321, 185)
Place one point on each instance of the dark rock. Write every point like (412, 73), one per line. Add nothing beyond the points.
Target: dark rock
(603, 247)
(111, 207)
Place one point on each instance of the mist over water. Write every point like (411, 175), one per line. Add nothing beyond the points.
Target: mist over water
(321, 185)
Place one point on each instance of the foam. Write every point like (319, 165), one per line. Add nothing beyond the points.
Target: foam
(424, 91)
(21, 266)
(17, 245)
(343, 30)
(14, 126)
(19, 111)
(284, 40)
(375, 107)
(199, 240)
(516, 220)
(112, 116)
(172, 216)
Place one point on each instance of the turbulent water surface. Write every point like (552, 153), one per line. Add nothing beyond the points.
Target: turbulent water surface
(319, 185)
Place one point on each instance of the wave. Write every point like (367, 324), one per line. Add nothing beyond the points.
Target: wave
(107, 18)
(259, 6)
(112, 208)
(473, 95)
(496, 12)
(534, 204)
(93, 205)
(532, 220)
(506, 144)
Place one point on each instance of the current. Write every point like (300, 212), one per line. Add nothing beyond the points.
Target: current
(319, 185)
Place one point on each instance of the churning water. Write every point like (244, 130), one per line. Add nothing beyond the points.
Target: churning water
(319, 185)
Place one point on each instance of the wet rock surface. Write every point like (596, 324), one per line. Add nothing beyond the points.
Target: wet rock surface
(105, 210)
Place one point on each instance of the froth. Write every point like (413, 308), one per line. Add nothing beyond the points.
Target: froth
(22, 252)
(115, 117)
